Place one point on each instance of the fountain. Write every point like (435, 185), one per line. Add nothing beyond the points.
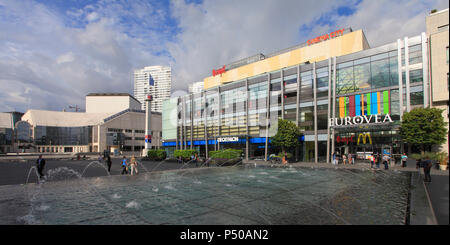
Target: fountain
(239, 194)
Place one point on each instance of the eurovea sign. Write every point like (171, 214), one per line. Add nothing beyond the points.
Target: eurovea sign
(218, 71)
(373, 119)
(325, 37)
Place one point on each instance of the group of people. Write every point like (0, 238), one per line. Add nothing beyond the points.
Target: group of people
(376, 159)
(129, 166)
(345, 158)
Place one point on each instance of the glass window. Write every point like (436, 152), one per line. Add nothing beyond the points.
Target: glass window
(415, 76)
(362, 76)
(393, 67)
(344, 79)
(380, 73)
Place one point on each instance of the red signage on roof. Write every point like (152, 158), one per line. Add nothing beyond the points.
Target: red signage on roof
(325, 37)
(218, 71)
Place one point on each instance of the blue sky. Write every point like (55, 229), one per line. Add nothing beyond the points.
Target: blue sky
(54, 52)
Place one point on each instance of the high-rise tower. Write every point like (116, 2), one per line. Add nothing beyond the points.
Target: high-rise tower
(153, 80)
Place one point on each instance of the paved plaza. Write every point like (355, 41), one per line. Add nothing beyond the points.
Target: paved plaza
(429, 202)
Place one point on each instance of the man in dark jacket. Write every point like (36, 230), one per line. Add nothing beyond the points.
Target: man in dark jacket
(108, 162)
(426, 165)
(40, 163)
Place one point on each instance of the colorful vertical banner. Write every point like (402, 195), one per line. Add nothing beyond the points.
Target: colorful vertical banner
(386, 102)
(373, 103)
(365, 104)
(358, 105)
(351, 106)
(379, 103)
(341, 107)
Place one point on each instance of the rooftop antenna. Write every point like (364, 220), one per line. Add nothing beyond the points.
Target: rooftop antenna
(74, 107)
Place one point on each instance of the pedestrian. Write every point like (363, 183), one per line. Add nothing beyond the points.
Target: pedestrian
(285, 158)
(124, 165)
(350, 158)
(377, 160)
(386, 162)
(334, 158)
(344, 158)
(99, 158)
(133, 164)
(108, 162)
(404, 159)
(40, 163)
(426, 165)
(372, 160)
(196, 159)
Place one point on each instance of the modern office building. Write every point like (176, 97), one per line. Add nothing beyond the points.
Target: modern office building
(196, 87)
(9, 140)
(437, 32)
(344, 96)
(153, 80)
(6, 132)
(112, 122)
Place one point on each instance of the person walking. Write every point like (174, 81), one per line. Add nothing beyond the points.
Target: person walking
(108, 162)
(124, 165)
(284, 158)
(404, 159)
(334, 158)
(350, 158)
(40, 163)
(99, 158)
(377, 160)
(386, 161)
(196, 159)
(372, 160)
(426, 165)
(133, 164)
(344, 158)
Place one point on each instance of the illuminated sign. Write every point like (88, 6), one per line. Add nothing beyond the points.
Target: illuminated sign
(228, 139)
(218, 71)
(344, 121)
(326, 37)
(344, 139)
(364, 136)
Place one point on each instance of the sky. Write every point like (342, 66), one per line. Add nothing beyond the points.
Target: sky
(54, 52)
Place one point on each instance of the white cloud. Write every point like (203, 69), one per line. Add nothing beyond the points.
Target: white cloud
(54, 59)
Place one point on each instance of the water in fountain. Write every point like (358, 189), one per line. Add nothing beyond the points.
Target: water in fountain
(225, 195)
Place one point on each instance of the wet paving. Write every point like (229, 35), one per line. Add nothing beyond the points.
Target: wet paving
(241, 195)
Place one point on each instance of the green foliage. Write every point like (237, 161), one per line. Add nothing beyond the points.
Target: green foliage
(226, 154)
(185, 154)
(287, 134)
(424, 127)
(441, 157)
(281, 155)
(156, 155)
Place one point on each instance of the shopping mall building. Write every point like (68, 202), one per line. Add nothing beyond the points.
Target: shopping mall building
(343, 94)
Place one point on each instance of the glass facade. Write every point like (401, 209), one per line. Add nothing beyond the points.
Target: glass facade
(45, 135)
(366, 83)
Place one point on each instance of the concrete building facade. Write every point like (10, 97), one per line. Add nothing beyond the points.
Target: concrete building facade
(117, 131)
(438, 31)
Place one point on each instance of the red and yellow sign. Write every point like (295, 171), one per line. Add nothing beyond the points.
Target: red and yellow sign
(325, 37)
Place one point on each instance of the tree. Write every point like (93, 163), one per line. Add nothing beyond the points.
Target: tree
(287, 135)
(423, 127)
